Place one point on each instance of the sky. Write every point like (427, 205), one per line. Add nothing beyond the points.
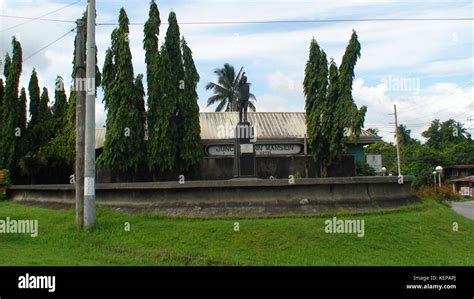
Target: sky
(426, 68)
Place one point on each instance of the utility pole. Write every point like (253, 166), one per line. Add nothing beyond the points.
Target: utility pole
(79, 87)
(397, 137)
(89, 168)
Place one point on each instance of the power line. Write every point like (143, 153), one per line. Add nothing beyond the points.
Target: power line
(39, 18)
(264, 21)
(56, 40)
(305, 21)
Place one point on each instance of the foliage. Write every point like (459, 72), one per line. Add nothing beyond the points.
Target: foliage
(226, 90)
(419, 160)
(5, 182)
(363, 169)
(440, 194)
(404, 136)
(151, 32)
(174, 141)
(124, 147)
(10, 141)
(441, 134)
(189, 130)
(330, 109)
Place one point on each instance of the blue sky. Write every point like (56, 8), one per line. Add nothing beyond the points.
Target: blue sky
(425, 68)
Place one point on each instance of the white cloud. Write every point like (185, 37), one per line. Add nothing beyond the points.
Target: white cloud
(284, 85)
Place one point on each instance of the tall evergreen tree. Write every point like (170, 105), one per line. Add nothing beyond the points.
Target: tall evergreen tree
(315, 89)
(337, 145)
(151, 32)
(189, 130)
(2, 91)
(346, 78)
(34, 93)
(10, 135)
(331, 114)
(162, 128)
(152, 57)
(23, 117)
(6, 65)
(46, 117)
(125, 134)
(60, 106)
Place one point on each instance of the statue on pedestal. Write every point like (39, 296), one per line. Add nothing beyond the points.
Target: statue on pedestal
(243, 99)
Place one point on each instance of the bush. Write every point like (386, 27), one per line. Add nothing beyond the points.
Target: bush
(440, 194)
(4, 183)
(363, 169)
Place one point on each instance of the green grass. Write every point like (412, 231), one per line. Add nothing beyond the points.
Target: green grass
(414, 235)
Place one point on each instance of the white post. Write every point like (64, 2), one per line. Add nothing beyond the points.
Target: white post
(397, 140)
(89, 168)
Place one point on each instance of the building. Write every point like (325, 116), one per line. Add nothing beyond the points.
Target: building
(452, 172)
(464, 186)
(280, 145)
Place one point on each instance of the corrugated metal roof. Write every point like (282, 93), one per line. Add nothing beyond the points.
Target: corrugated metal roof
(221, 125)
(269, 125)
(465, 179)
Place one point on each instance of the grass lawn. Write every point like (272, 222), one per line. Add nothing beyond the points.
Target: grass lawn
(415, 235)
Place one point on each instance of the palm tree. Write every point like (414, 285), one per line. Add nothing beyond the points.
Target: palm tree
(226, 90)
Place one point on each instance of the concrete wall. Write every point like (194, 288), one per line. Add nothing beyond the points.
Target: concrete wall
(248, 198)
(222, 169)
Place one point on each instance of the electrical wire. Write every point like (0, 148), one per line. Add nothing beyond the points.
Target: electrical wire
(39, 18)
(51, 43)
(265, 22)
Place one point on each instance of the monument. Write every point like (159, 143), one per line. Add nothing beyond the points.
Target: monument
(244, 146)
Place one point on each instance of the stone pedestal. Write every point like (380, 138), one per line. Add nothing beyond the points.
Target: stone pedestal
(244, 151)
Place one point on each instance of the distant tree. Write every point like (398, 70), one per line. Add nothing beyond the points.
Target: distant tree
(441, 134)
(226, 90)
(404, 135)
(46, 122)
(373, 131)
(59, 108)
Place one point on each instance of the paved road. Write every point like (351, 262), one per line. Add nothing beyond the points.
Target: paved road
(464, 208)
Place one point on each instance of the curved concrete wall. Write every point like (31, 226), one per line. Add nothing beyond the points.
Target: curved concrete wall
(242, 197)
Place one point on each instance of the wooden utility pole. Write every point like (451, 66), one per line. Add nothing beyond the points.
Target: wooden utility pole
(89, 168)
(80, 120)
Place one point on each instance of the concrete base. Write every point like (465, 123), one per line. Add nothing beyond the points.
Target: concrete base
(240, 198)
